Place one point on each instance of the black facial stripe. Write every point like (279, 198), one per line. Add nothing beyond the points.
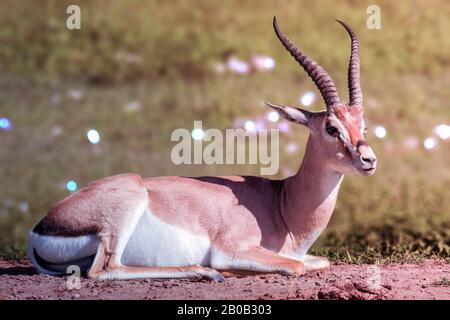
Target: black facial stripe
(361, 143)
(350, 148)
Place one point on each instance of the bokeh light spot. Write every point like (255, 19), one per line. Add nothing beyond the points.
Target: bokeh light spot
(429, 143)
(71, 186)
(93, 136)
(283, 127)
(273, 116)
(198, 134)
(249, 125)
(308, 98)
(443, 131)
(5, 124)
(380, 132)
(269, 63)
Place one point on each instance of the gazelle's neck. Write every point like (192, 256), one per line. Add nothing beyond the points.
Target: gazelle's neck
(308, 199)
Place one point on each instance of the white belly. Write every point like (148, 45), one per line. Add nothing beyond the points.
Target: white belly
(159, 244)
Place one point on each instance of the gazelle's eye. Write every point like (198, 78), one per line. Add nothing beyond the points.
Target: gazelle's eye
(332, 131)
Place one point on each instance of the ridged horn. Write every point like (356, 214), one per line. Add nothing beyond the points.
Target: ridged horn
(321, 79)
(354, 84)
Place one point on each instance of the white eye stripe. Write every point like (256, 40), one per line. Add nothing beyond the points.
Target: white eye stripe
(342, 130)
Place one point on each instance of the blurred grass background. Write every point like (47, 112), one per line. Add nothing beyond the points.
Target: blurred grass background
(55, 84)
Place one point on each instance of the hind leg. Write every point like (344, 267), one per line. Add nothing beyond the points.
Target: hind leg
(107, 266)
(112, 242)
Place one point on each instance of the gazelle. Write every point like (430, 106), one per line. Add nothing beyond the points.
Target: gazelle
(125, 227)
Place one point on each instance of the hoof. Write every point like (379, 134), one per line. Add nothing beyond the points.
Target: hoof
(315, 263)
(210, 274)
(217, 277)
(297, 269)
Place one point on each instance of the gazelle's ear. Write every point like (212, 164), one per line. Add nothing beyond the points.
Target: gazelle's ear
(292, 114)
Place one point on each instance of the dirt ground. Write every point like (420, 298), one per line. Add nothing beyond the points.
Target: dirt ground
(427, 280)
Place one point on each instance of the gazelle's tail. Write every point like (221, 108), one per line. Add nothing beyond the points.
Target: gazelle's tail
(53, 255)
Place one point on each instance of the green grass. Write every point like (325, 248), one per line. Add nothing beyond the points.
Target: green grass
(402, 213)
(444, 282)
(385, 244)
(178, 38)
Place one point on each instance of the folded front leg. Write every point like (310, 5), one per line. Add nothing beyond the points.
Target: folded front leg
(256, 259)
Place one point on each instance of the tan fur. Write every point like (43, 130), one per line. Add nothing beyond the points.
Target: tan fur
(246, 223)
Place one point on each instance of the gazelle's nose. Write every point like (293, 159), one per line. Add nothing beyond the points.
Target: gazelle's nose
(367, 156)
(368, 160)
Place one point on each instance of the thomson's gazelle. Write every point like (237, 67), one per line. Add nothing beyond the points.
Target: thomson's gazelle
(124, 226)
